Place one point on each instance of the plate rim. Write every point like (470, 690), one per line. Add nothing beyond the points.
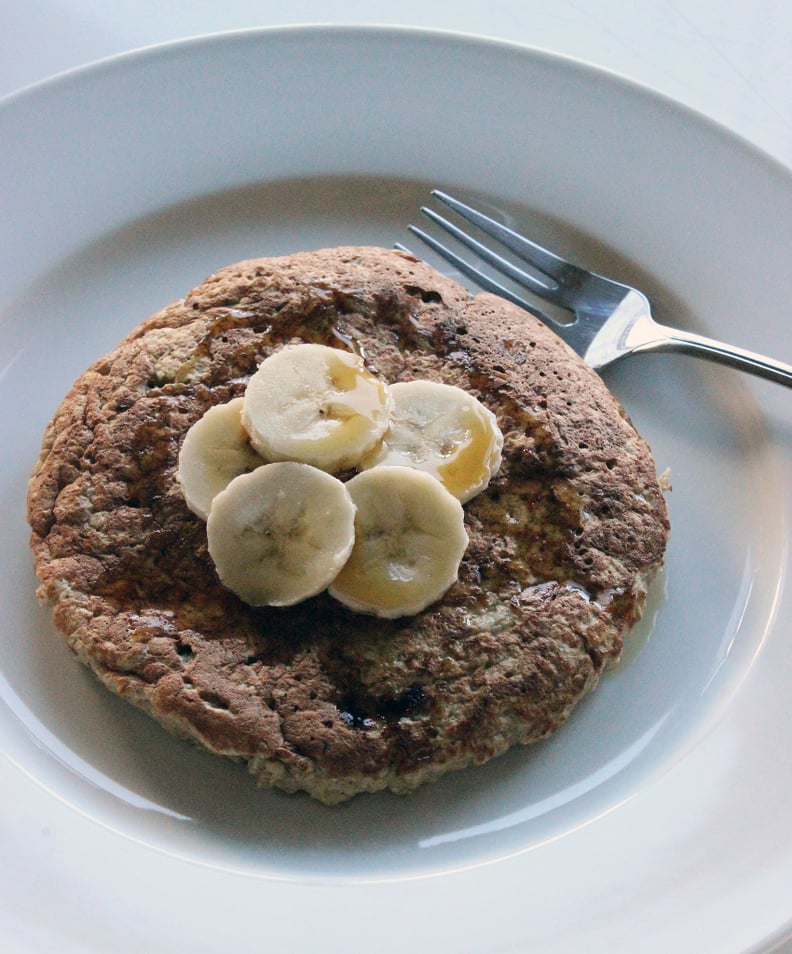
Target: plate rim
(402, 32)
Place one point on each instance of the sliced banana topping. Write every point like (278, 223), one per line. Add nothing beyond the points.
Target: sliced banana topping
(215, 450)
(409, 540)
(281, 533)
(444, 431)
(281, 528)
(315, 404)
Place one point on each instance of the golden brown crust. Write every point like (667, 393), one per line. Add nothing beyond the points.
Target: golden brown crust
(316, 697)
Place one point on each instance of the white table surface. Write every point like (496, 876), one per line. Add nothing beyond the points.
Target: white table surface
(728, 59)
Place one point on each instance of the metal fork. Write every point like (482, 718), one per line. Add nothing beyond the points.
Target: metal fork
(609, 320)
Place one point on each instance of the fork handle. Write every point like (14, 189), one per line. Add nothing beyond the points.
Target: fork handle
(687, 342)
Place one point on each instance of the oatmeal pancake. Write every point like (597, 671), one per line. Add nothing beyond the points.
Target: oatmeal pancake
(316, 697)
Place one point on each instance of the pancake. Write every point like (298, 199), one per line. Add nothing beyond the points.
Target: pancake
(315, 697)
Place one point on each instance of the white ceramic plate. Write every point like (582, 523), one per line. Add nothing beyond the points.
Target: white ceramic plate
(657, 819)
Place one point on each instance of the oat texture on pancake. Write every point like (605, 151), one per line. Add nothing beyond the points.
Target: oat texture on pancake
(316, 697)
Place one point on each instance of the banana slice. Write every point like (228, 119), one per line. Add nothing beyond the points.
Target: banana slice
(214, 451)
(315, 404)
(409, 541)
(281, 533)
(444, 431)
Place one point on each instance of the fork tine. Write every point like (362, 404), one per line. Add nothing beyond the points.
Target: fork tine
(506, 267)
(535, 255)
(480, 278)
